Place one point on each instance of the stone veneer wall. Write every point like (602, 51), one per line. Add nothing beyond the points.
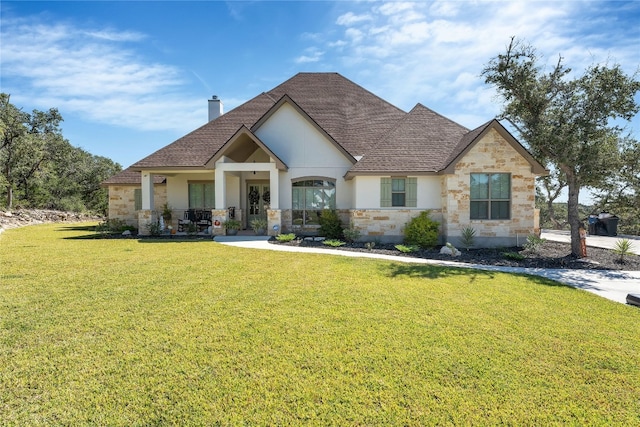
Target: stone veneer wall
(122, 202)
(490, 155)
(386, 225)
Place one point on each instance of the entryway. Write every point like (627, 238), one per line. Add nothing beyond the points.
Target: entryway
(258, 200)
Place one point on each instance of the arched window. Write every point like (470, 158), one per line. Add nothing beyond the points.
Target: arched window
(309, 198)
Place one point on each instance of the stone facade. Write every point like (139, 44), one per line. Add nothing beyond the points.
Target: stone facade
(492, 154)
(385, 225)
(122, 202)
(274, 218)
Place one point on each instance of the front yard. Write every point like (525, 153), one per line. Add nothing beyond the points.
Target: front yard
(129, 332)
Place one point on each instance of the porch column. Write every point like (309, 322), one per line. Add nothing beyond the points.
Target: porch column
(146, 215)
(274, 187)
(147, 191)
(221, 189)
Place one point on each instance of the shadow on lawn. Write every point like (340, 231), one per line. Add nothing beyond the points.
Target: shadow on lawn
(437, 271)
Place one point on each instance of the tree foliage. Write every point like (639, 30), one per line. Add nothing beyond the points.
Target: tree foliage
(619, 192)
(566, 122)
(41, 169)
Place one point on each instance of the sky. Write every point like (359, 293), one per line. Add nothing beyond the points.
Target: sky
(131, 77)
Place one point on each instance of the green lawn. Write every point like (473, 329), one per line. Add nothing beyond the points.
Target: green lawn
(128, 332)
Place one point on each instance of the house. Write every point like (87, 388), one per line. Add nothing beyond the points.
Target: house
(319, 141)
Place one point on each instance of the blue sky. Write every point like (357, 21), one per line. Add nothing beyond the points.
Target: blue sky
(131, 77)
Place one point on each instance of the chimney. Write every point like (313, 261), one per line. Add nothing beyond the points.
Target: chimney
(215, 108)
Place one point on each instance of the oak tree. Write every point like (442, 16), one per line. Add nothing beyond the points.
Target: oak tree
(568, 123)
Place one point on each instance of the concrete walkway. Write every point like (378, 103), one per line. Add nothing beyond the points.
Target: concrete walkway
(613, 285)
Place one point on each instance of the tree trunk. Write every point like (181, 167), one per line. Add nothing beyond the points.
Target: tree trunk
(9, 196)
(573, 214)
(9, 178)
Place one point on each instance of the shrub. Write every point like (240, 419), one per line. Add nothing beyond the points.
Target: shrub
(351, 234)
(467, 238)
(285, 237)
(330, 225)
(421, 231)
(513, 256)
(533, 243)
(113, 225)
(333, 242)
(407, 249)
(154, 228)
(623, 248)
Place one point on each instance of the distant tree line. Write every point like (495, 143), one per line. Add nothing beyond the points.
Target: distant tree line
(39, 168)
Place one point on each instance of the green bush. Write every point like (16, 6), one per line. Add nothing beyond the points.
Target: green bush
(624, 248)
(515, 256)
(351, 234)
(421, 231)
(285, 237)
(407, 249)
(468, 237)
(333, 242)
(533, 243)
(330, 225)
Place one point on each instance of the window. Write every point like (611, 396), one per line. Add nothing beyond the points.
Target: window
(398, 192)
(137, 199)
(201, 195)
(490, 196)
(309, 198)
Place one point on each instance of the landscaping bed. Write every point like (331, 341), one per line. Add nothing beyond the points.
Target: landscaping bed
(548, 255)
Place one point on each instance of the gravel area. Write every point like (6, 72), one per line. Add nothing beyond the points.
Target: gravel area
(549, 255)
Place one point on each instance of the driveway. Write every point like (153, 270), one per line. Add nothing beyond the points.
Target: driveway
(593, 241)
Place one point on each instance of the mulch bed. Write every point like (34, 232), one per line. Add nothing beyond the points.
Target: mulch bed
(549, 255)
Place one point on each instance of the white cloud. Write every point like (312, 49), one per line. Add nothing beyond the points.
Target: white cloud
(312, 55)
(434, 52)
(350, 18)
(89, 72)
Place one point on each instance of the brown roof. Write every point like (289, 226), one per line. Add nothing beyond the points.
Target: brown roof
(130, 177)
(420, 142)
(350, 114)
(386, 139)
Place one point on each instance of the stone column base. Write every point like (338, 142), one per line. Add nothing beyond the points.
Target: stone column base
(218, 217)
(145, 218)
(274, 222)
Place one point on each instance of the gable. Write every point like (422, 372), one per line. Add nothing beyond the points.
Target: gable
(293, 136)
(243, 145)
(419, 144)
(500, 136)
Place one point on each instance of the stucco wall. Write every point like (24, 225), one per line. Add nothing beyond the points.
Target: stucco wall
(490, 155)
(367, 192)
(122, 202)
(306, 152)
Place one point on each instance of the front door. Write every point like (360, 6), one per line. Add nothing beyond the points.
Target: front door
(258, 200)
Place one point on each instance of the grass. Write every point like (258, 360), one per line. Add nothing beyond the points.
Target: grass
(128, 332)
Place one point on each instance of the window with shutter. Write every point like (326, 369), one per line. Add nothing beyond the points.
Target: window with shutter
(398, 192)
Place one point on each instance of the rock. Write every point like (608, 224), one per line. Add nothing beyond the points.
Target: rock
(24, 217)
(450, 250)
(126, 233)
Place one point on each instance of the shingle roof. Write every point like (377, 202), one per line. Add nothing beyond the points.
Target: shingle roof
(130, 177)
(421, 142)
(384, 138)
(352, 115)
